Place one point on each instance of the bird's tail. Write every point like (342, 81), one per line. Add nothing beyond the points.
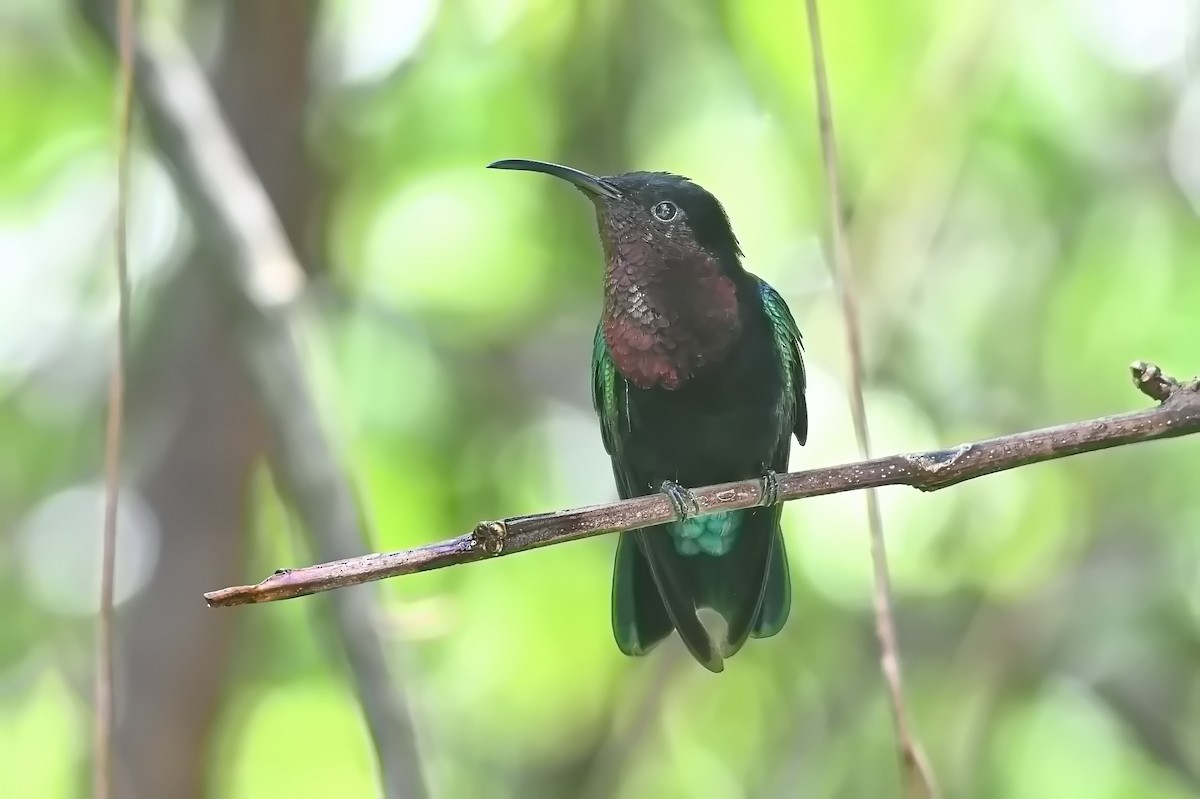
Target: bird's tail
(657, 589)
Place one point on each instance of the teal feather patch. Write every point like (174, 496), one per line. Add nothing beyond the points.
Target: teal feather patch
(714, 534)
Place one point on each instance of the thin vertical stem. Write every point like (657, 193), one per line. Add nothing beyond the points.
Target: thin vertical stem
(102, 782)
(918, 777)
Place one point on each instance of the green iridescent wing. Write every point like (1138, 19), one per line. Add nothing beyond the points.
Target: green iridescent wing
(610, 395)
(607, 394)
(790, 348)
(777, 599)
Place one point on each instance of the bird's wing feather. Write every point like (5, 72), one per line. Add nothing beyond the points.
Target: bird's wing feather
(790, 347)
(608, 398)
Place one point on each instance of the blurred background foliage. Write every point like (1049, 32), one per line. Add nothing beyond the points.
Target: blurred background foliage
(1024, 179)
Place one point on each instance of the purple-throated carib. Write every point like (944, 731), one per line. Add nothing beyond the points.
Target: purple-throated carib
(697, 378)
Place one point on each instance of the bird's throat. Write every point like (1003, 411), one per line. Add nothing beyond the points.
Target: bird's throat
(664, 326)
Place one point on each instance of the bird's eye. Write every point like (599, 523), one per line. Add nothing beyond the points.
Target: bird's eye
(665, 211)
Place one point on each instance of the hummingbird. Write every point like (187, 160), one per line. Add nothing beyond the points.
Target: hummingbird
(697, 378)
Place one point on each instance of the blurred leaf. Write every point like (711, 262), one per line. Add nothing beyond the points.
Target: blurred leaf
(41, 743)
(1062, 744)
(535, 649)
(302, 739)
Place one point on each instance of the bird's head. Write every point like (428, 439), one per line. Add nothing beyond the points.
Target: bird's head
(672, 271)
(656, 215)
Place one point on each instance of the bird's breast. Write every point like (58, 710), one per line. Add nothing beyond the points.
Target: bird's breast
(661, 334)
(723, 425)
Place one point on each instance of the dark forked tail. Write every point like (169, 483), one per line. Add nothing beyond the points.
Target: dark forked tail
(657, 589)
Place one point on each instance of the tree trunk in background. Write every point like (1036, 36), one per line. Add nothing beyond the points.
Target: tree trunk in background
(175, 650)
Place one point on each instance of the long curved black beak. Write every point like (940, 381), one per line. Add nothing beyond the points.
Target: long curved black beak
(588, 183)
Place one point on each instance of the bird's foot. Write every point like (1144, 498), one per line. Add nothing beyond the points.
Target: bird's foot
(682, 500)
(769, 488)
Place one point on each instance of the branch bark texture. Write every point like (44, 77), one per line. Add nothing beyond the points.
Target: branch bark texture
(1177, 414)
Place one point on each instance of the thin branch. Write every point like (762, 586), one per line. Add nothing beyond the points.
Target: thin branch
(231, 207)
(1177, 414)
(102, 732)
(918, 776)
